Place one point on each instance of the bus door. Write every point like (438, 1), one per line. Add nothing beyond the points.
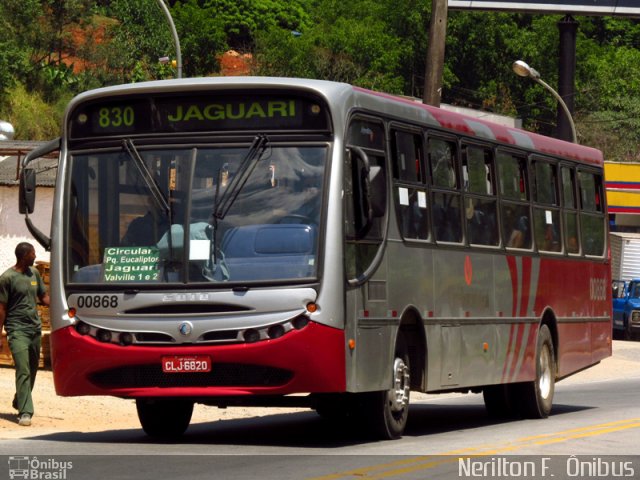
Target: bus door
(365, 228)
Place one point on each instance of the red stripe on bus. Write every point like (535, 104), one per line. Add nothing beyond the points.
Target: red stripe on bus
(513, 270)
(526, 286)
(505, 372)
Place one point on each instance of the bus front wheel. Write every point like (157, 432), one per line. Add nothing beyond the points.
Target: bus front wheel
(164, 418)
(388, 410)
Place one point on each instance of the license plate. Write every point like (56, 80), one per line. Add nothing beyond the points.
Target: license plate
(186, 364)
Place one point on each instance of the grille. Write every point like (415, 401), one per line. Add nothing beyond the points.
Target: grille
(221, 375)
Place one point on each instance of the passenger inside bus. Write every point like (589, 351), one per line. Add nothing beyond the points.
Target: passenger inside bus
(517, 231)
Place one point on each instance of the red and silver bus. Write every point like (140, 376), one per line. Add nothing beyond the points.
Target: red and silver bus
(272, 241)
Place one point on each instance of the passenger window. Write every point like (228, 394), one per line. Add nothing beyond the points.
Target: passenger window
(546, 223)
(546, 220)
(409, 192)
(516, 226)
(512, 176)
(446, 217)
(545, 180)
(446, 205)
(442, 158)
(592, 222)
(476, 170)
(590, 198)
(408, 156)
(480, 204)
(568, 188)
(516, 215)
(366, 134)
(571, 234)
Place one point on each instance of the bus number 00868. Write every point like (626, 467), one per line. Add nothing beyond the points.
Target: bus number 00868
(98, 301)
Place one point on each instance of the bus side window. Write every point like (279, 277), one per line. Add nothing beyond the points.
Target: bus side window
(570, 207)
(446, 199)
(592, 222)
(480, 204)
(515, 209)
(409, 192)
(546, 212)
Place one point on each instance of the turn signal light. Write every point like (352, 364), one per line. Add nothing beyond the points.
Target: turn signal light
(312, 307)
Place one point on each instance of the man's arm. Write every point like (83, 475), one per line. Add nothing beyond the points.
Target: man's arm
(44, 299)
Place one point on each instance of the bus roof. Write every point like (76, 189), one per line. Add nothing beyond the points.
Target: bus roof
(342, 94)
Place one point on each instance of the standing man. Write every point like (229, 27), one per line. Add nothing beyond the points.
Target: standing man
(20, 288)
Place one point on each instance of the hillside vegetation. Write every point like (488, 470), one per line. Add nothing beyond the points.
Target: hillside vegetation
(51, 50)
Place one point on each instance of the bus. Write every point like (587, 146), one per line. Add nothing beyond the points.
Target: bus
(275, 241)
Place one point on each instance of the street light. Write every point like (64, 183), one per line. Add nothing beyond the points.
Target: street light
(176, 40)
(524, 70)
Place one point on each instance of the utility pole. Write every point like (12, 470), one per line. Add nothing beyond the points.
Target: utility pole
(566, 75)
(435, 53)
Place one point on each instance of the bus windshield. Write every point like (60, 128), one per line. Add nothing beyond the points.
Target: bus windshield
(152, 215)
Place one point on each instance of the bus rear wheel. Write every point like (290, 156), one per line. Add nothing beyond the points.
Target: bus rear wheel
(388, 411)
(164, 418)
(536, 397)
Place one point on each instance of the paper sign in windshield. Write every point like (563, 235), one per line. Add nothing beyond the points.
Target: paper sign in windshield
(131, 264)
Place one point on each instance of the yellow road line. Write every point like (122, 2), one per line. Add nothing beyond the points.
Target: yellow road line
(424, 462)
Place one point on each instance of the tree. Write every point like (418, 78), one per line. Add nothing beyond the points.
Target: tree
(202, 37)
(243, 19)
(346, 42)
(137, 40)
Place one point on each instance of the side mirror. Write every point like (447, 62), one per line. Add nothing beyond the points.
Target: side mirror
(27, 191)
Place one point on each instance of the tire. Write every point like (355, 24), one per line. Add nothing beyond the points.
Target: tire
(387, 411)
(535, 398)
(164, 418)
(498, 401)
(337, 408)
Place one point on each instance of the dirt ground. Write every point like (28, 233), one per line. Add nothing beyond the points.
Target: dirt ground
(94, 414)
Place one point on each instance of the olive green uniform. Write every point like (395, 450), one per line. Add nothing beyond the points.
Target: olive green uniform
(20, 291)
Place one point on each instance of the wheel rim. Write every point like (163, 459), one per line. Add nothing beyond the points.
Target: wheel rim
(544, 382)
(399, 395)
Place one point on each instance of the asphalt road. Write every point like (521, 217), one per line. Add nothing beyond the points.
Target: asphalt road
(594, 426)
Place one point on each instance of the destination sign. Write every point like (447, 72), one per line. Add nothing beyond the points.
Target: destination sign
(131, 264)
(197, 113)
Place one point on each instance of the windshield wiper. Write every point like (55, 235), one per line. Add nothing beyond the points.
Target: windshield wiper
(157, 195)
(223, 203)
(255, 153)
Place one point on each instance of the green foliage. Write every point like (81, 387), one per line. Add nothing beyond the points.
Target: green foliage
(202, 37)
(243, 19)
(337, 47)
(30, 115)
(137, 40)
(378, 44)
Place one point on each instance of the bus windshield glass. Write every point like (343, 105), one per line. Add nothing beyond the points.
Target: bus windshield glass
(149, 215)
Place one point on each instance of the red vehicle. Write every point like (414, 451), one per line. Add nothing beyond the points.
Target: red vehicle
(235, 241)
